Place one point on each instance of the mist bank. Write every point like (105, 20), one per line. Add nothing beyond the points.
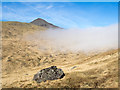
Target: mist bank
(87, 40)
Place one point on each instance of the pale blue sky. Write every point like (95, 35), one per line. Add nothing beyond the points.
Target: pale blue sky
(63, 14)
(60, 0)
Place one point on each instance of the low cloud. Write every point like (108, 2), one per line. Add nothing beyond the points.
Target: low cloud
(87, 40)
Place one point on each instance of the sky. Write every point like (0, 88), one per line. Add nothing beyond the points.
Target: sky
(63, 14)
(60, 0)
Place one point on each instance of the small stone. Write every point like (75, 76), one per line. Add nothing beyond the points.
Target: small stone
(73, 67)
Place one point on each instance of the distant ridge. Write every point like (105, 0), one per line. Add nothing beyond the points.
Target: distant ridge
(41, 22)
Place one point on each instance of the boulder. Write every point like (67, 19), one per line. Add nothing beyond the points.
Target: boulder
(51, 73)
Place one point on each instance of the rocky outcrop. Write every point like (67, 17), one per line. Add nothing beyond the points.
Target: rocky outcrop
(51, 73)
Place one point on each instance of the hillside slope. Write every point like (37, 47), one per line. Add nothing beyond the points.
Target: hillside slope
(15, 29)
(22, 58)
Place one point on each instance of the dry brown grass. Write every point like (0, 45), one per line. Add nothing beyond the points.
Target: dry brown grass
(22, 59)
(12, 30)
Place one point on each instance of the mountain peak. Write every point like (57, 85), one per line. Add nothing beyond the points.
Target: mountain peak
(42, 22)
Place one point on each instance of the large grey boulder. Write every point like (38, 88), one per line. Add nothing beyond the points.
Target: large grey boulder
(51, 73)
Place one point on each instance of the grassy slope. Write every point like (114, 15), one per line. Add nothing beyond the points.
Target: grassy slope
(15, 29)
(14, 49)
(22, 59)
